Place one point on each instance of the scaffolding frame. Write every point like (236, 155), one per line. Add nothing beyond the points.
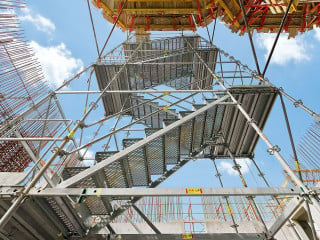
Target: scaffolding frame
(219, 90)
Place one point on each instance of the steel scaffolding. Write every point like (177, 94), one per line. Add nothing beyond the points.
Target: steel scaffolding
(161, 103)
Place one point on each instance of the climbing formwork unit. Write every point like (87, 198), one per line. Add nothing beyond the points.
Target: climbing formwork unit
(164, 15)
(157, 106)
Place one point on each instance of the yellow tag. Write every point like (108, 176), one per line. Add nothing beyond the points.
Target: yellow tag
(166, 108)
(297, 166)
(99, 193)
(187, 236)
(71, 134)
(85, 109)
(194, 190)
(229, 209)
(166, 93)
(165, 53)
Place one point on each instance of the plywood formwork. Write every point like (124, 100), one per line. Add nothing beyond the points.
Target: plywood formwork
(262, 15)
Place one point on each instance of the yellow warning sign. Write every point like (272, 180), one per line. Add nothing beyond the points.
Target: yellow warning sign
(194, 190)
(187, 236)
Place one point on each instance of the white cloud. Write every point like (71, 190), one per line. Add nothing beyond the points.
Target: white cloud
(317, 33)
(293, 49)
(87, 158)
(57, 62)
(227, 166)
(41, 23)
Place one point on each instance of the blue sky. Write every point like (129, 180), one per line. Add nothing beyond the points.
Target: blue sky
(60, 33)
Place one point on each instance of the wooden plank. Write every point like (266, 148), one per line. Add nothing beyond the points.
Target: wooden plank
(110, 13)
(228, 11)
(158, 1)
(150, 11)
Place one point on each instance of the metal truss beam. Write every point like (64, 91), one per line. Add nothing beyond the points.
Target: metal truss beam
(92, 170)
(157, 192)
(203, 236)
(141, 91)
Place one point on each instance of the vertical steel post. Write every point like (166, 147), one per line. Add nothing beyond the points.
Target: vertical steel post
(235, 225)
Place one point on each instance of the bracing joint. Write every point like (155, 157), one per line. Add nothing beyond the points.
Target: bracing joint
(93, 105)
(234, 225)
(252, 121)
(298, 103)
(308, 195)
(236, 167)
(61, 152)
(273, 149)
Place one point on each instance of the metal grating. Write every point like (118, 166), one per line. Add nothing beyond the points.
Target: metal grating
(186, 136)
(155, 154)
(239, 137)
(60, 214)
(218, 119)
(95, 206)
(208, 127)
(113, 102)
(154, 121)
(199, 123)
(72, 171)
(137, 164)
(171, 144)
(114, 172)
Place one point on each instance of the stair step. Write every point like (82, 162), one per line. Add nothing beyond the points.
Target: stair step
(139, 170)
(186, 135)
(198, 131)
(209, 123)
(115, 173)
(167, 122)
(154, 121)
(155, 153)
(72, 171)
(197, 106)
(95, 205)
(171, 144)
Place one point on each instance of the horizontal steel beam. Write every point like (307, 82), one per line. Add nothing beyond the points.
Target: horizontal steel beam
(141, 91)
(198, 236)
(153, 192)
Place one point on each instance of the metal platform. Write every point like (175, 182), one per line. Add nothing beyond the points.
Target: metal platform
(164, 62)
(238, 136)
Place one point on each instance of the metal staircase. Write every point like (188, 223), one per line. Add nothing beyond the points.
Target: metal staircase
(201, 134)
